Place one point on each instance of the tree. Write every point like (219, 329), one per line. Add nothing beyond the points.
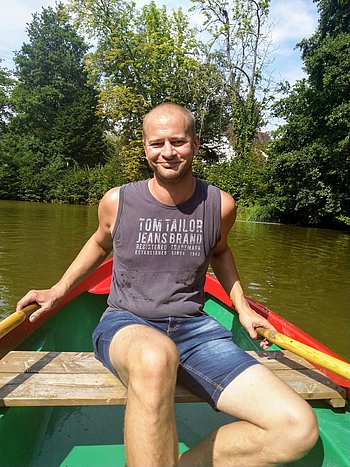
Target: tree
(239, 34)
(310, 155)
(52, 99)
(6, 85)
(142, 58)
(8, 165)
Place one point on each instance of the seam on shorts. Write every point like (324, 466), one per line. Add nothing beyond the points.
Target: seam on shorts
(198, 373)
(236, 372)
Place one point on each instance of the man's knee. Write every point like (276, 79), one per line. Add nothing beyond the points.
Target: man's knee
(306, 431)
(157, 360)
(155, 366)
(298, 432)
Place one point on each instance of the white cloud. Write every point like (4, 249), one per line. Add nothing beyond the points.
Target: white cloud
(293, 20)
(290, 73)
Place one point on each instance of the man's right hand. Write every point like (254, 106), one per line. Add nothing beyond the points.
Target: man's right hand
(46, 299)
(93, 253)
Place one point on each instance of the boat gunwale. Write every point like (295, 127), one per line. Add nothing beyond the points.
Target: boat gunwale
(99, 283)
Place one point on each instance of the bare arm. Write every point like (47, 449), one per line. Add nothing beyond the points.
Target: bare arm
(224, 267)
(93, 253)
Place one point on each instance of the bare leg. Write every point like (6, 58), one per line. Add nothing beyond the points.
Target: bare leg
(147, 362)
(276, 426)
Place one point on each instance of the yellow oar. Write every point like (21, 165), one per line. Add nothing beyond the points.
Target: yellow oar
(309, 353)
(16, 318)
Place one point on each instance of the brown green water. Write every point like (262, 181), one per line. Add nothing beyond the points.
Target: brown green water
(302, 274)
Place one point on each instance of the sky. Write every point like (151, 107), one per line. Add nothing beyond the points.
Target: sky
(291, 20)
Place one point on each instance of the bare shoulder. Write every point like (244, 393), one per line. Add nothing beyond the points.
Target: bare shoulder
(110, 198)
(108, 206)
(112, 195)
(228, 207)
(228, 217)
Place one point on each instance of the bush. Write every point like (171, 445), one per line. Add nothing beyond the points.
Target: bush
(244, 179)
(87, 185)
(258, 213)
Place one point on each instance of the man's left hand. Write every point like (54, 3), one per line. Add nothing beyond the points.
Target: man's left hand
(251, 320)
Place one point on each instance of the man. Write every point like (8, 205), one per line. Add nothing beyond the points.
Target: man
(164, 231)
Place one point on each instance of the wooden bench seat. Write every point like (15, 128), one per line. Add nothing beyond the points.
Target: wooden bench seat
(77, 378)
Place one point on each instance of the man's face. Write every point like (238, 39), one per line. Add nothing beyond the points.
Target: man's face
(169, 146)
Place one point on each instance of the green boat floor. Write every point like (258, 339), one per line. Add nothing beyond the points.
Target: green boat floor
(82, 436)
(93, 436)
(334, 431)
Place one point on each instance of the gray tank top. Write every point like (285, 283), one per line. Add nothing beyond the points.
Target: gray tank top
(161, 252)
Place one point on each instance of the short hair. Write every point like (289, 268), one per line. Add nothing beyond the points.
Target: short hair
(173, 106)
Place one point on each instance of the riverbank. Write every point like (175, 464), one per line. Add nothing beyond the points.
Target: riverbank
(268, 214)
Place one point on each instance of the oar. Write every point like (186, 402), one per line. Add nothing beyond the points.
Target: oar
(16, 318)
(309, 353)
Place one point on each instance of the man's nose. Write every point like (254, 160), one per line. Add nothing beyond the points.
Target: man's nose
(168, 150)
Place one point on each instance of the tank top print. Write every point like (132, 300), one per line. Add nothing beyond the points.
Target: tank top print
(161, 252)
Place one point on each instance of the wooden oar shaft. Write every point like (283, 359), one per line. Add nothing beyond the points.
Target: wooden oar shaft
(309, 353)
(16, 318)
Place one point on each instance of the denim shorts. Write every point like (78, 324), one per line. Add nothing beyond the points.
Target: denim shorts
(209, 359)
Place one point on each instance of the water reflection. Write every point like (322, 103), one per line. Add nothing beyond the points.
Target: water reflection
(301, 273)
(37, 242)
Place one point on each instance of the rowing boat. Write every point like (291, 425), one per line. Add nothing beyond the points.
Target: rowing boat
(60, 407)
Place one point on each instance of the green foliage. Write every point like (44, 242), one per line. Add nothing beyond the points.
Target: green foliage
(52, 100)
(145, 57)
(304, 182)
(49, 114)
(6, 85)
(84, 185)
(238, 28)
(259, 213)
(310, 156)
(25, 175)
(244, 180)
(133, 161)
(9, 167)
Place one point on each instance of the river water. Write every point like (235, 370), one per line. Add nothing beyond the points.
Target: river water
(300, 273)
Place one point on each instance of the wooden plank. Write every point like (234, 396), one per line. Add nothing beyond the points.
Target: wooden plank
(43, 389)
(300, 375)
(85, 362)
(305, 384)
(77, 378)
(60, 389)
(280, 359)
(51, 362)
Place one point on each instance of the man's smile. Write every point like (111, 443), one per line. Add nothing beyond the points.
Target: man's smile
(169, 164)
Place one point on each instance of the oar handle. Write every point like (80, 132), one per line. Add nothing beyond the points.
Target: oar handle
(16, 318)
(309, 353)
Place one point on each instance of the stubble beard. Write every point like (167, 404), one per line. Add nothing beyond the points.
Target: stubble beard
(171, 176)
